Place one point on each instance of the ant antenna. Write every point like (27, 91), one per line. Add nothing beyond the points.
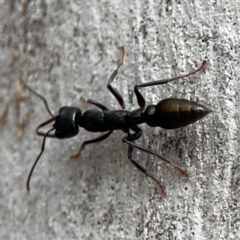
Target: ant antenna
(38, 95)
(36, 161)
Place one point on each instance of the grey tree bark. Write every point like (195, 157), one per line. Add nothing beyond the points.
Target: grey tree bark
(66, 50)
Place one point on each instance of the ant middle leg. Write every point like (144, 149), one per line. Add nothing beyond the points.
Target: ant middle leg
(115, 93)
(140, 98)
(82, 147)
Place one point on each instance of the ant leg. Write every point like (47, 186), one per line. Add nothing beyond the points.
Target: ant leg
(146, 150)
(100, 105)
(142, 169)
(131, 138)
(140, 98)
(99, 139)
(115, 93)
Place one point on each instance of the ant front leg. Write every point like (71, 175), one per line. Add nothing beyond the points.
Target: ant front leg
(82, 147)
(115, 93)
(140, 98)
(99, 139)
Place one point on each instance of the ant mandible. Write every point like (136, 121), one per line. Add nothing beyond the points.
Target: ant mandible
(169, 113)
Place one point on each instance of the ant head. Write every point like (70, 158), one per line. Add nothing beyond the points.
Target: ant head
(66, 123)
(65, 126)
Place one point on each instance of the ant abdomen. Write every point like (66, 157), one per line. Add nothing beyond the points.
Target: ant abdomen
(174, 113)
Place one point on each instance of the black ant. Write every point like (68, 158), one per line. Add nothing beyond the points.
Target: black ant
(169, 113)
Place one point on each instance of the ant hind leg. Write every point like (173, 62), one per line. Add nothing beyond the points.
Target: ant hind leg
(140, 98)
(143, 170)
